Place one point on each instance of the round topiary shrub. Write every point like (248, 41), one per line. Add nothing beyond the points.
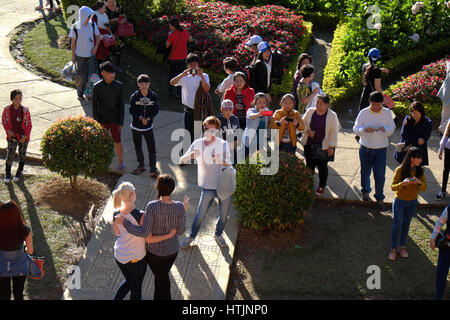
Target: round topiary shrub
(278, 201)
(77, 146)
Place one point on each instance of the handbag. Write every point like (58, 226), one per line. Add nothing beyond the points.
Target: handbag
(400, 151)
(319, 154)
(202, 104)
(109, 40)
(442, 239)
(125, 29)
(36, 268)
(388, 102)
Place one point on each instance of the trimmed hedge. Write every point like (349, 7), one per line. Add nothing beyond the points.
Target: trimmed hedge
(148, 50)
(278, 201)
(339, 89)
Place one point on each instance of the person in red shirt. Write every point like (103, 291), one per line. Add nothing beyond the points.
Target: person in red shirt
(16, 120)
(241, 95)
(178, 38)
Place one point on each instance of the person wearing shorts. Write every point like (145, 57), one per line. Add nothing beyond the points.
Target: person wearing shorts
(108, 106)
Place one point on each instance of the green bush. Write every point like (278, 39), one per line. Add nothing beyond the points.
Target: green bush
(286, 82)
(339, 88)
(168, 7)
(135, 10)
(76, 146)
(277, 201)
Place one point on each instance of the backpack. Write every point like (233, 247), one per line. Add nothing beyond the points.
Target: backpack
(76, 32)
(249, 71)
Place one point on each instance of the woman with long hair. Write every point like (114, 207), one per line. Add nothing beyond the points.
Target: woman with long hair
(178, 38)
(129, 250)
(241, 95)
(303, 59)
(416, 131)
(409, 180)
(13, 233)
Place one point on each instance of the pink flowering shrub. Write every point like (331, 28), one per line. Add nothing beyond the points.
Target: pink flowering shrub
(423, 85)
(221, 29)
(75, 146)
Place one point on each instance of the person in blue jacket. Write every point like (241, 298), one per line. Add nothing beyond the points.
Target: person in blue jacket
(143, 108)
(416, 130)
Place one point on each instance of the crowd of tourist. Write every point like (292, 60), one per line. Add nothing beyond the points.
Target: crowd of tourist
(304, 115)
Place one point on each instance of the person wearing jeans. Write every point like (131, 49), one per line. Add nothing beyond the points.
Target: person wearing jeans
(374, 125)
(212, 155)
(409, 180)
(85, 41)
(444, 149)
(129, 249)
(144, 107)
(161, 217)
(443, 264)
(16, 120)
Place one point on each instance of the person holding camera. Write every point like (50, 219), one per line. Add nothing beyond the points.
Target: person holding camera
(16, 120)
(190, 80)
(443, 264)
(288, 121)
(409, 180)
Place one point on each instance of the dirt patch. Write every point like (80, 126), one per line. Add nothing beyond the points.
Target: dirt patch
(60, 196)
(64, 42)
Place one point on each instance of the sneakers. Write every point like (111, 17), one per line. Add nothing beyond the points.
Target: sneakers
(220, 241)
(441, 195)
(7, 179)
(18, 176)
(403, 252)
(186, 243)
(365, 196)
(380, 204)
(319, 191)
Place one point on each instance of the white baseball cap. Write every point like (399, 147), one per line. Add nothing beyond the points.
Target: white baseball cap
(227, 104)
(263, 46)
(255, 39)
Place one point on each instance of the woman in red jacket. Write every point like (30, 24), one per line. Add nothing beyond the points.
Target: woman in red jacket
(101, 19)
(241, 95)
(16, 120)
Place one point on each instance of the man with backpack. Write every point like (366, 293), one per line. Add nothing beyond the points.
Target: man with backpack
(85, 40)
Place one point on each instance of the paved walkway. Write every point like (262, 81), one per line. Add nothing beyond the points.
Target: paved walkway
(202, 272)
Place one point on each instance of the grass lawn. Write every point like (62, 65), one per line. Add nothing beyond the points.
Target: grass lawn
(327, 257)
(43, 53)
(59, 238)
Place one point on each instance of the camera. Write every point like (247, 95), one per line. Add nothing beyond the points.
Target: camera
(193, 72)
(289, 119)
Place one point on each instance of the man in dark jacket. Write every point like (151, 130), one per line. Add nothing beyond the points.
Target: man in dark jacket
(144, 107)
(108, 105)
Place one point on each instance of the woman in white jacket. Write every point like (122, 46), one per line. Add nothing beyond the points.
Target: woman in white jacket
(320, 138)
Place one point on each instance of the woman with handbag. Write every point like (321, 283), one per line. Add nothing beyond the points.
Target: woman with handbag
(409, 180)
(177, 41)
(242, 96)
(416, 131)
(320, 138)
(101, 19)
(443, 264)
(13, 232)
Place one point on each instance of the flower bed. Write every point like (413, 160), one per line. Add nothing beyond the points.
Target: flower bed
(222, 29)
(423, 85)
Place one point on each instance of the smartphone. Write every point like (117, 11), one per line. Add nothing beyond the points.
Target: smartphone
(289, 120)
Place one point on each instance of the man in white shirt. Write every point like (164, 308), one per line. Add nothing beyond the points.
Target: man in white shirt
(374, 125)
(190, 80)
(85, 40)
(212, 155)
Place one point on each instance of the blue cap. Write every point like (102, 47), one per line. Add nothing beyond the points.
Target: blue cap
(263, 46)
(374, 54)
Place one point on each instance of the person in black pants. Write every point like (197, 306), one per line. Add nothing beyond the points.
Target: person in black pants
(144, 107)
(443, 264)
(161, 217)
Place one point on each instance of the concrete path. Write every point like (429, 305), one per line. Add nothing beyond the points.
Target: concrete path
(201, 272)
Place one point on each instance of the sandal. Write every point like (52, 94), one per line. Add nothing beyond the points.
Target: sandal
(138, 170)
(393, 255)
(154, 174)
(403, 252)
